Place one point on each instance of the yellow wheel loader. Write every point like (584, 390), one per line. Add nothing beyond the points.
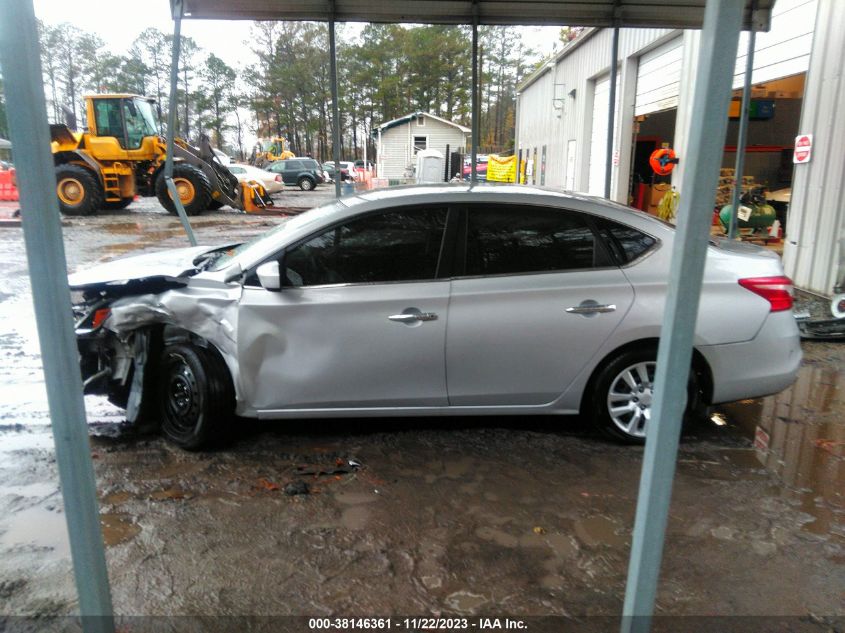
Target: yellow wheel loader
(268, 150)
(121, 154)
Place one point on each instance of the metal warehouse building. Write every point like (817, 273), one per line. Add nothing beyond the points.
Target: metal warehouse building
(796, 83)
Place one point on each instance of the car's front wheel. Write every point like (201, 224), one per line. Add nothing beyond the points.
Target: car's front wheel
(623, 391)
(197, 398)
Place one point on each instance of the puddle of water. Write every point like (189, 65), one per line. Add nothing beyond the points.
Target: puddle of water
(118, 528)
(798, 435)
(168, 494)
(465, 602)
(598, 530)
(147, 230)
(498, 537)
(116, 498)
(562, 545)
(37, 527)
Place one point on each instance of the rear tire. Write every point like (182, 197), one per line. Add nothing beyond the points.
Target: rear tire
(78, 190)
(621, 397)
(196, 393)
(193, 186)
(306, 184)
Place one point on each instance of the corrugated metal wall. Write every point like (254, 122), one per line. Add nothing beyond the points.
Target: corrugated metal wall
(550, 115)
(785, 49)
(813, 253)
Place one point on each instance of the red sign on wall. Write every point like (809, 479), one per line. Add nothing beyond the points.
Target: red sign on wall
(803, 148)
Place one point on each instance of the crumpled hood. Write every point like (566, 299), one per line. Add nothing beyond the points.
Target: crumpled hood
(169, 263)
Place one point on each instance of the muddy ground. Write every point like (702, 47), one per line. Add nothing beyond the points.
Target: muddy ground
(520, 516)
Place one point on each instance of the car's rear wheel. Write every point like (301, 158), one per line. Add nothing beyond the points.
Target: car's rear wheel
(306, 184)
(622, 395)
(197, 398)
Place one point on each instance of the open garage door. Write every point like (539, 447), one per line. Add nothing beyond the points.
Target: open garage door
(658, 78)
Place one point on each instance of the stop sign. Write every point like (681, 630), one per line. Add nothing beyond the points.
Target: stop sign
(803, 148)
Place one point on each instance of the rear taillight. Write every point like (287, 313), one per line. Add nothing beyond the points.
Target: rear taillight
(776, 290)
(99, 316)
(278, 178)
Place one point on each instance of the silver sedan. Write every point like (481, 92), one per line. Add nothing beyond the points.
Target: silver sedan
(443, 300)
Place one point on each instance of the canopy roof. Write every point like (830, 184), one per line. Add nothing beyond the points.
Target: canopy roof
(679, 14)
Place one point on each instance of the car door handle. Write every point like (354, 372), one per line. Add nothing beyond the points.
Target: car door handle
(592, 308)
(410, 317)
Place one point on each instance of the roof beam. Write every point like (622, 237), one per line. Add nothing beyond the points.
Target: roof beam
(683, 14)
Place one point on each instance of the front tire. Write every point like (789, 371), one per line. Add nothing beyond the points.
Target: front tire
(192, 185)
(306, 184)
(78, 190)
(196, 393)
(621, 398)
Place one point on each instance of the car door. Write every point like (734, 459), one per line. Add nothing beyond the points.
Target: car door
(538, 295)
(361, 322)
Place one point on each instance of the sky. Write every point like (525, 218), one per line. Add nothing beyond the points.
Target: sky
(119, 22)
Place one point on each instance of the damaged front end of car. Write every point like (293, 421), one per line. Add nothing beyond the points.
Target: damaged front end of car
(113, 360)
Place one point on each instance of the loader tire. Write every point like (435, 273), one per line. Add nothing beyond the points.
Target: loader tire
(193, 186)
(78, 190)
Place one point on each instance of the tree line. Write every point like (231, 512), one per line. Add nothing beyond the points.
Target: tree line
(386, 72)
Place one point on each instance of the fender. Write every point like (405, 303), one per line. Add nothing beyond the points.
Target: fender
(62, 158)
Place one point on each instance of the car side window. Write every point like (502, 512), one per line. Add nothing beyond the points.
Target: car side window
(513, 239)
(237, 170)
(293, 165)
(383, 247)
(626, 243)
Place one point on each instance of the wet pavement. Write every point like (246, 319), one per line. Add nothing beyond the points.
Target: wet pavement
(522, 516)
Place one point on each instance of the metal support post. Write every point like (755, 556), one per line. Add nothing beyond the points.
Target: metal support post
(27, 113)
(176, 8)
(516, 151)
(476, 105)
(742, 137)
(335, 111)
(611, 112)
(719, 37)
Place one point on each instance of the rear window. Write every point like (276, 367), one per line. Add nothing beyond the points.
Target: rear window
(511, 239)
(626, 243)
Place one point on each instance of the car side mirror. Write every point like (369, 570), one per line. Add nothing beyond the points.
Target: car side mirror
(269, 276)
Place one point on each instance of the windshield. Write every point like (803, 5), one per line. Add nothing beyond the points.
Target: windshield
(265, 243)
(145, 116)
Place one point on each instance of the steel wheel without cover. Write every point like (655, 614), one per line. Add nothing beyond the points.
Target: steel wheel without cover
(196, 395)
(629, 398)
(182, 396)
(185, 189)
(70, 191)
